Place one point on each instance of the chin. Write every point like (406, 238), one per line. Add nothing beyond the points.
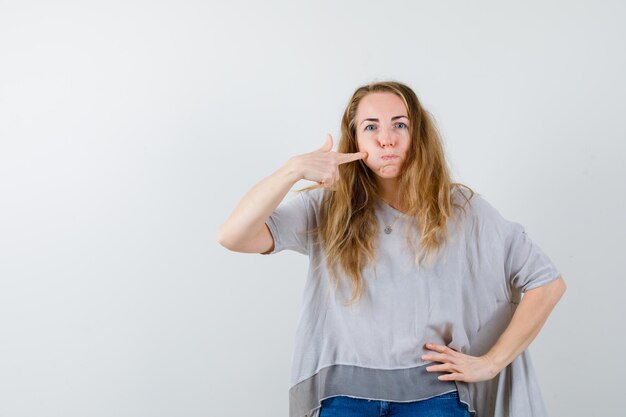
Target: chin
(392, 173)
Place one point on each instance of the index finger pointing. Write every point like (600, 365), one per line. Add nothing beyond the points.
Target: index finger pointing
(349, 157)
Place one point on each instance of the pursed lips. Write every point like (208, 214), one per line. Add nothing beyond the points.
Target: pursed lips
(387, 157)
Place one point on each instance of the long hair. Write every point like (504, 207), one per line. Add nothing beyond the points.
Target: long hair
(348, 224)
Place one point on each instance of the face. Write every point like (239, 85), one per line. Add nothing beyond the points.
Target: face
(382, 130)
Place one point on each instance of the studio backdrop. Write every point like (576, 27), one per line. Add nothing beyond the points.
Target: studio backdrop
(129, 130)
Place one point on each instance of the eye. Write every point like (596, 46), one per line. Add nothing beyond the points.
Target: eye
(367, 128)
(401, 125)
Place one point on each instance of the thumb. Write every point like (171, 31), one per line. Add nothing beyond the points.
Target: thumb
(328, 145)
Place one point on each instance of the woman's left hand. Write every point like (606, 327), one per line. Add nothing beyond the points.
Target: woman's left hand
(460, 367)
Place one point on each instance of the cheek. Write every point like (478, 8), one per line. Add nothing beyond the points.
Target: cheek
(363, 147)
(359, 144)
(406, 147)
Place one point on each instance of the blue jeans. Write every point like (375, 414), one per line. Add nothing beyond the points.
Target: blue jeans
(445, 405)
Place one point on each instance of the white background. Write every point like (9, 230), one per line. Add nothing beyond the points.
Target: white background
(130, 129)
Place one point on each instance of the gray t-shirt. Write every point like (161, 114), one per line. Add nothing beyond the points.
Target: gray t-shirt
(465, 300)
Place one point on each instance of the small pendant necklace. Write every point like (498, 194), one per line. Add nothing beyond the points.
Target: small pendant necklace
(388, 228)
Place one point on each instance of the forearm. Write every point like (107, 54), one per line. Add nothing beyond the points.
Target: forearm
(250, 215)
(528, 319)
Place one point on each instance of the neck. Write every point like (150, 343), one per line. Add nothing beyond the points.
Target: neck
(390, 192)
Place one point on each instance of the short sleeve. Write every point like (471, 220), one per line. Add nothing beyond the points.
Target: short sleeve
(289, 223)
(527, 266)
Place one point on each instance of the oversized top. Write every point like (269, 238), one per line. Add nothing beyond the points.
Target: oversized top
(464, 299)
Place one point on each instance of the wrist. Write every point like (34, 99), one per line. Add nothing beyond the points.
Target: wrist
(495, 364)
(290, 171)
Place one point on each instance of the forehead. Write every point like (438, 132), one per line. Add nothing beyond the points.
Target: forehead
(380, 104)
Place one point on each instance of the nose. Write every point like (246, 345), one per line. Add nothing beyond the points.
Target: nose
(385, 138)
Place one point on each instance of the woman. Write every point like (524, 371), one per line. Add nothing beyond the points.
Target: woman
(413, 303)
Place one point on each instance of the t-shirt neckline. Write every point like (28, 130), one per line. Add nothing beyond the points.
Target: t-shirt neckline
(386, 206)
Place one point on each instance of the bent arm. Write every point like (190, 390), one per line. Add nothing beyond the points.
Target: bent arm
(529, 317)
(245, 229)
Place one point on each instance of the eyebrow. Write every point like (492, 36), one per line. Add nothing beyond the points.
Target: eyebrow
(376, 120)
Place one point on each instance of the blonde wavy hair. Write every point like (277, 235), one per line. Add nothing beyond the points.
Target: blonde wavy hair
(348, 224)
